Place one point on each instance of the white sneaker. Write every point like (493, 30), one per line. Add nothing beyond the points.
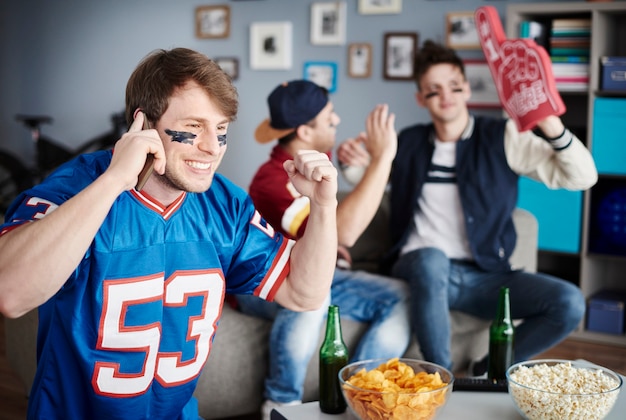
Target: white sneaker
(268, 405)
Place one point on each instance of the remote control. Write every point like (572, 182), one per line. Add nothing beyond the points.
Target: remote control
(480, 384)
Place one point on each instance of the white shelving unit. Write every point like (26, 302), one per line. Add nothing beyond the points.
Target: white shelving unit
(592, 272)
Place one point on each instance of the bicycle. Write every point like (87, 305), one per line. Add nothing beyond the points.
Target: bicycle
(16, 176)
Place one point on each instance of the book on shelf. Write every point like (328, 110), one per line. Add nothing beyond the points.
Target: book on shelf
(570, 42)
(569, 51)
(572, 86)
(571, 82)
(570, 33)
(571, 23)
(570, 58)
(571, 69)
(581, 32)
(571, 79)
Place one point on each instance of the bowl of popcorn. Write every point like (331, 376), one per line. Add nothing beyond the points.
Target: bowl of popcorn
(396, 388)
(562, 389)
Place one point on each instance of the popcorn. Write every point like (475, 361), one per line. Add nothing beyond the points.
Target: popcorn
(562, 391)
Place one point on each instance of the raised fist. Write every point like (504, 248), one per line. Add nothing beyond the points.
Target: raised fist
(521, 70)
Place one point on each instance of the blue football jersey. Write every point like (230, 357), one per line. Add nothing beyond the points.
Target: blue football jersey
(128, 334)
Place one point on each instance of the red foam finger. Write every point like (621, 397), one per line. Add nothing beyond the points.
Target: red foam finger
(521, 70)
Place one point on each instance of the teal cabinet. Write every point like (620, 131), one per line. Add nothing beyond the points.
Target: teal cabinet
(559, 213)
(608, 145)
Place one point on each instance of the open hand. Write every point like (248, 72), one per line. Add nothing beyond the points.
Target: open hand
(381, 140)
(352, 153)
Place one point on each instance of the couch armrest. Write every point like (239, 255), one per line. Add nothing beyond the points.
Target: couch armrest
(525, 253)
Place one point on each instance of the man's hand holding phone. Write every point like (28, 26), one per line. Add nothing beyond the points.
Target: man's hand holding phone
(138, 152)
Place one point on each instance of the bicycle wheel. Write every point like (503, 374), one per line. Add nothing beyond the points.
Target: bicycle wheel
(14, 178)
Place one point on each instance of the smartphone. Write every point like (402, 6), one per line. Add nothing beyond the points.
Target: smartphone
(148, 167)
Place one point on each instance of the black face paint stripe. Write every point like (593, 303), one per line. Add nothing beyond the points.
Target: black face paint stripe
(433, 94)
(181, 136)
(221, 139)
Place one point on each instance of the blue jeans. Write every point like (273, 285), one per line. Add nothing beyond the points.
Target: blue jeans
(379, 301)
(550, 308)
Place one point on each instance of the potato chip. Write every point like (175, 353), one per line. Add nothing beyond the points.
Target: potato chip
(397, 392)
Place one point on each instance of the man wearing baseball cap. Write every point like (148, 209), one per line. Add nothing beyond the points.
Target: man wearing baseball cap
(301, 117)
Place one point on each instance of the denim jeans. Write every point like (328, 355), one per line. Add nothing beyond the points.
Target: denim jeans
(381, 302)
(550, 308)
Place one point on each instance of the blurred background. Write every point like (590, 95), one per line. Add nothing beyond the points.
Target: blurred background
(70, 59)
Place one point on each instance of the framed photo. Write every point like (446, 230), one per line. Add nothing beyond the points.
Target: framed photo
(380, 7)
(461, 33)
(323, 73)
(230, 65)
(213, 21)
(328, 23)
(400, 48)
(484, 91)
(360, 60)
(270, 46)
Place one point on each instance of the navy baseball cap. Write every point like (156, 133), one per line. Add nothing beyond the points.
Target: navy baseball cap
(291, 104)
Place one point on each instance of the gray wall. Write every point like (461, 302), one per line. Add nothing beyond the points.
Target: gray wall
(70, 59)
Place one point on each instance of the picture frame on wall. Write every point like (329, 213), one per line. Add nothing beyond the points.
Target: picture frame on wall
(380, 7)
(484, 91)
(328, 23)
(322, 73)
(461, 32)
(400, 48)
(230, 65)
(271, 46)
(360, 60)
(213, 21)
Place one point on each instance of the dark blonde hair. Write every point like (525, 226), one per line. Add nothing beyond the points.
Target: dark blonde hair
(161, 72)
(432, 53)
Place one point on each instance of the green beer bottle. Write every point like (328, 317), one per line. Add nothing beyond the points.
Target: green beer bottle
(501, 334)
(333, 356)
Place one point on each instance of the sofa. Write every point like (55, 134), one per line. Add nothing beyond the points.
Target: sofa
(232, 381)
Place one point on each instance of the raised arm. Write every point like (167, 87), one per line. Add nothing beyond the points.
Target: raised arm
(313, 256)
(357, 209)
(37, 257)
(558, 158)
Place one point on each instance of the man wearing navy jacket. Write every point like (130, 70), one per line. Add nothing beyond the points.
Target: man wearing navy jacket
(454, 188)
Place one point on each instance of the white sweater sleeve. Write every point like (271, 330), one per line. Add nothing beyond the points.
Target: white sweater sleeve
(563, 162)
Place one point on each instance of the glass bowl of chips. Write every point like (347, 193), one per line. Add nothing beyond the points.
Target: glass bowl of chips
(398, 388)
(563, 389)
